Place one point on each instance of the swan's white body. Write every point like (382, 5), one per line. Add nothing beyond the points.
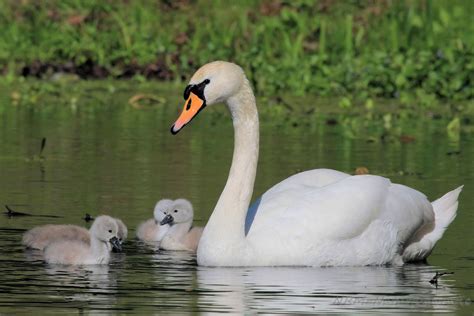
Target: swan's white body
(319, 217)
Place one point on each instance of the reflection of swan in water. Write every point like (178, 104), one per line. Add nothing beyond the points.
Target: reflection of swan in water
(277, 289)
(174, 269)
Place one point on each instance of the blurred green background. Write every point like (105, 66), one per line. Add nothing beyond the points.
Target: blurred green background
(417, 52)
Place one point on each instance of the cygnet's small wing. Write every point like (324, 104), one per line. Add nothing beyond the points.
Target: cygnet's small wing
(41, 236)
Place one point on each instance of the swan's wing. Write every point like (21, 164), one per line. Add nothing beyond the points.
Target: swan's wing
(315, 178)
(409, 210)
(337, 211)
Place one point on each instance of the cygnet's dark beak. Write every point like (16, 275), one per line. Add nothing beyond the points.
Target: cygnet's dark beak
(116, 245)
(167, 220)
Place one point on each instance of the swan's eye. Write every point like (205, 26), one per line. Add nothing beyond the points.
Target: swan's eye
(110, 230)
(176, 211)
(207, 81)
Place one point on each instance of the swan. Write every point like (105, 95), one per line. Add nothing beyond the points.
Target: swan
(103, 231)
(319, 217)
(41, 236)
(181, 234)
(150, 230)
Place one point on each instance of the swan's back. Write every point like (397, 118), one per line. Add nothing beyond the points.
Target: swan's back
(305, 180)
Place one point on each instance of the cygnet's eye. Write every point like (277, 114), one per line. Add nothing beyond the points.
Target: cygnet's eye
(165, 213)
(110, 230)
(176, 211)
(120, 239)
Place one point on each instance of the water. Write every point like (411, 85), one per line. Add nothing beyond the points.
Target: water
(118, 160)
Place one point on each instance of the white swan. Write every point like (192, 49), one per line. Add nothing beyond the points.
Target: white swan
(104, 231)
(181, 235)
(319, 217)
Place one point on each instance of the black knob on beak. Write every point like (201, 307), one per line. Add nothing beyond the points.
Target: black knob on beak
(116, 245)
(167, 220)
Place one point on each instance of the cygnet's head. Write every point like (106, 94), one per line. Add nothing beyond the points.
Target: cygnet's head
(181, 211)
(161, 207)
(105, 229)
(213, 83)
(122, 230)
(122, 234)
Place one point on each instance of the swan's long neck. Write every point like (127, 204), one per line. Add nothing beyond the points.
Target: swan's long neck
(226, 226)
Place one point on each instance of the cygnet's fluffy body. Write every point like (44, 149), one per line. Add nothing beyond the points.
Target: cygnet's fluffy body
(104, 231)
(41, 236)
(150, 230)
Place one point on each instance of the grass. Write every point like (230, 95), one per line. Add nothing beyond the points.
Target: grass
(420, 53)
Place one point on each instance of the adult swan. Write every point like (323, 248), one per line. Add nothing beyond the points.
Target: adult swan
(319, 217)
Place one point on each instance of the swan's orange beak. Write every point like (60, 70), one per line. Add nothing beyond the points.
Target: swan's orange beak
(192, 107)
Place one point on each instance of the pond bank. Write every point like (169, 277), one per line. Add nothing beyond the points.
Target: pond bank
(416, 52)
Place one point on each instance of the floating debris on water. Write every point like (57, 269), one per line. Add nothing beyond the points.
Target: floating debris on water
(12, 213)
(435, 278)
(88, 218)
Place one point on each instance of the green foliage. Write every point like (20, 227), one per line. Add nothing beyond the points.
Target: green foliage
(420, 52)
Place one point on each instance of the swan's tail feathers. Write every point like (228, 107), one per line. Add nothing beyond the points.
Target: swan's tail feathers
(445, 212)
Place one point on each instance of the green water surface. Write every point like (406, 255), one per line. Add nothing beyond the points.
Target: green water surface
(119, 160)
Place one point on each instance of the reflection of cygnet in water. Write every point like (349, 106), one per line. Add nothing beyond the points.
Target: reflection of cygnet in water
(92, 283)
(151, 231)
(40, 237)
(181, 235)
(103, 231)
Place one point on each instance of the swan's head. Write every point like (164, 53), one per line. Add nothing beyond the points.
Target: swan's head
(162, 206)
(105, 229)
(181, 211)
(212, 83)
